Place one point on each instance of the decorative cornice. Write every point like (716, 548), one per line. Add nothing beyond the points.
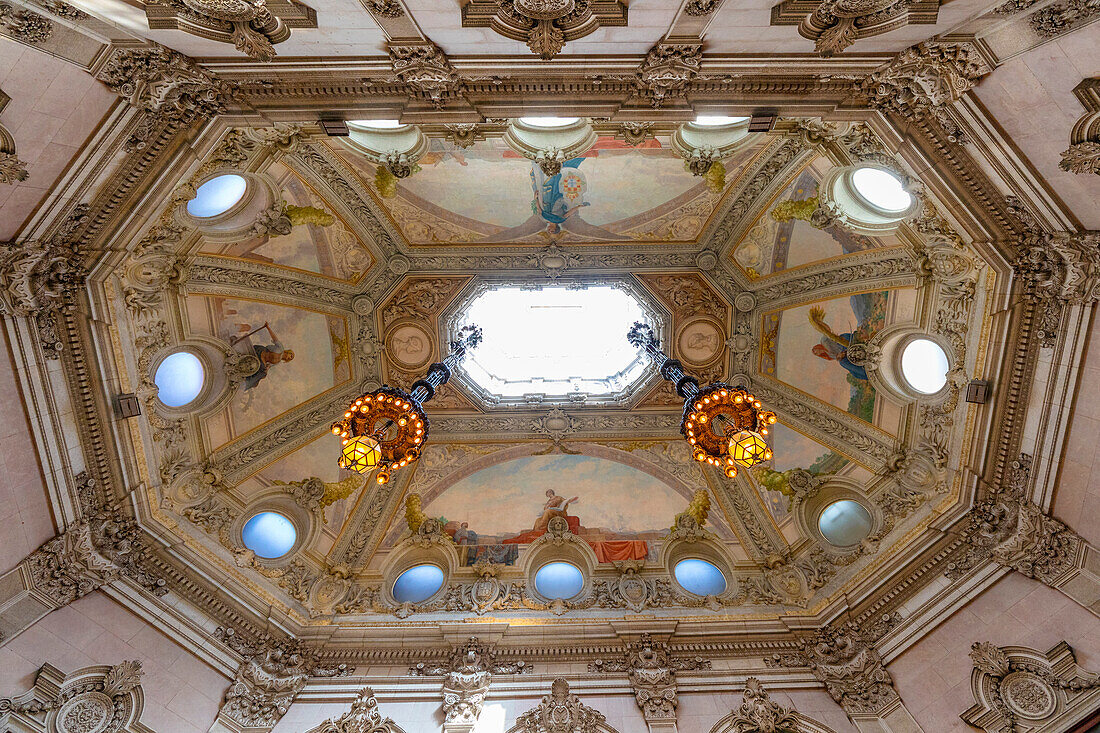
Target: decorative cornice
(923, 81)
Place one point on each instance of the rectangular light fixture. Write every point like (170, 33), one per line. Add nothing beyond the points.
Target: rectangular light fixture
(335, 128)
(977, 392)
(128, 406)
(762, 121)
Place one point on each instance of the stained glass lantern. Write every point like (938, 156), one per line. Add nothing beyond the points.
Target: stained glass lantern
(748, 449)
(361, 454)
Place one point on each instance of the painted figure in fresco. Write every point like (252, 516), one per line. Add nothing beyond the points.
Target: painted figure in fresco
(555, 506)
(834, 346)
(556, 204)
(269, 355)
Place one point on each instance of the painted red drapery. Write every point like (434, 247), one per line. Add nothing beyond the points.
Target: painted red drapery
(616, 550)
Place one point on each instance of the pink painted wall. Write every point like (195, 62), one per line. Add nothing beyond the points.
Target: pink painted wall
(1077, 498)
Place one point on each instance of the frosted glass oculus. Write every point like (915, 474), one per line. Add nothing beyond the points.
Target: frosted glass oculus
(269, 534)
(179, 379)
(924, 366)
(717, 120)
(881, 189)
(844, 523)
(559, 580)
(217, 196)
(699, 577)
(418, 583)
(554, 341)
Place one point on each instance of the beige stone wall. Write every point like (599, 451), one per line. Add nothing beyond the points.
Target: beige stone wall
(933, 677)
(24, 508)
(182, 694)
(54, 108)
(1077, 499)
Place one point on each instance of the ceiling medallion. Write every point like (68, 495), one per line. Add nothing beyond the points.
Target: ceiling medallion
(386, 429)
(544, 25)
(725, 425)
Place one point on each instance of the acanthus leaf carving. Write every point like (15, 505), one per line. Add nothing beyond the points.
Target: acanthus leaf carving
(426, 72)
(561, 712)
(364, 717)
(467, 674)
(23, 25)
(758, 713)
(667, 71)
(924, 80)
(651, 668)
(544, 25)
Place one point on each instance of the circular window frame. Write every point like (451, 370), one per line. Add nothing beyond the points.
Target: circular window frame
(208, 382)
(888, 376)
(706, 549)
(899, 354)
(838, 194)
(521, 123)
(849, 180)
(392, 578)
(721, 127)
(837, 489)
(726, 576)
(251, 189)
(586, 580)
(279, 504)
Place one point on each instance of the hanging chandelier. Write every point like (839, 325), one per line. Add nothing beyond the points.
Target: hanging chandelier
(725, 425)
(386, 429)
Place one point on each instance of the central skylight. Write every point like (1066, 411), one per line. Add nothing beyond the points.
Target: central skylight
(554, 341)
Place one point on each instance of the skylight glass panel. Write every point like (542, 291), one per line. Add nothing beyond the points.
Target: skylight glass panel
(269, 534)
(554, 341)
(217, 196)
(881, 189)
(179, 379)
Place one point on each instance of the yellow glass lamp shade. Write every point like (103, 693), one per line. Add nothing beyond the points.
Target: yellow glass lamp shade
(748, 449)
(361, 454)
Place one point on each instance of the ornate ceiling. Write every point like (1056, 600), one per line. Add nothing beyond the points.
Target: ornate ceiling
(353, 260)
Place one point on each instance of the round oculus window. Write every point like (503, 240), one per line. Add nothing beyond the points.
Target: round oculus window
(179, 379)
(881, 189)
(269, 534)
(418, 583)
(717, 120)
(699, 577)
(217, 196)
(559, 580)
(924, 365)
(549, 122)
(844, 522)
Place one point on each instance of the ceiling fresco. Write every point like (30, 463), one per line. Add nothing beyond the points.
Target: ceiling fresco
(488, 193)
(807, 346)
(783, 236)
(319, 241)
(301, 354)
(360, 290)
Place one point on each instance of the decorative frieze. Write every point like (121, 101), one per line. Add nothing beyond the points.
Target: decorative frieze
(1020, 689)
(23, 25)
(651, 669)
(544, 25)
(923, 81)
(1083, 155)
